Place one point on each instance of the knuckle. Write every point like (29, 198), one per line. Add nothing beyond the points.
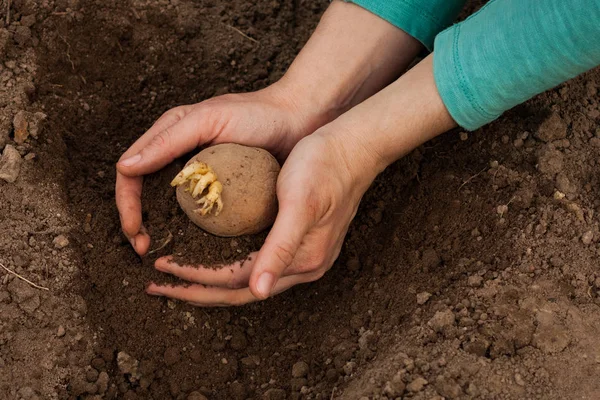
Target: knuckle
(178, 113)
(175, 115)
(234, 282)
(236, 300)
(162, 141)
(284, 252)
(158, 141)
(215, 115)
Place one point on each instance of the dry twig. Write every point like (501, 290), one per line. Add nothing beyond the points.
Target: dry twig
(68, 54)
(470, 179)
(162, 246)
(8, 4)
(24, 279)
(241, 33)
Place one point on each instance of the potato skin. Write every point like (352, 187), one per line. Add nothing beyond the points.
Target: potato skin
(249, 179)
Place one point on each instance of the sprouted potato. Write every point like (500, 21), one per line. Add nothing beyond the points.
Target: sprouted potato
(229, 189)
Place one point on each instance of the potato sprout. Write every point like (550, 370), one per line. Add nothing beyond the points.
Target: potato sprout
(198, 176)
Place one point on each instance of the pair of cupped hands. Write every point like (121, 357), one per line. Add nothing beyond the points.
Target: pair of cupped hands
(325, 173)
(336, 119)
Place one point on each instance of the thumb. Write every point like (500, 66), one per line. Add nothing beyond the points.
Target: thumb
(166, 146)
(280, 248)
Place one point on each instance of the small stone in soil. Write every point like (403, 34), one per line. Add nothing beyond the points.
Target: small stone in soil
(423, 298)
(417, 384)
(10, 164)
(91, 375)
(587, 237)
(442, 320)
(300, 369)
(102, 382)
(60, 242)
(61, 331)
(553, 128)
(20, 125)
(475, 281)
(128, 365)
(349, 367)
(395, 387)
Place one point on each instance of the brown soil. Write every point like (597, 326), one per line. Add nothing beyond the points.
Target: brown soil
(469, 272)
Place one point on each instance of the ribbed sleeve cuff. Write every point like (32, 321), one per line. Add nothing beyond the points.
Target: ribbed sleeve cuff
(410, 17)
(452, 84)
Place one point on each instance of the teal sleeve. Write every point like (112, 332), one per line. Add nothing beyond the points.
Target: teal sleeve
(512, 50)
(422, 19)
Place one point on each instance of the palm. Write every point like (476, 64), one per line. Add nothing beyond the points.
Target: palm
(260, 119)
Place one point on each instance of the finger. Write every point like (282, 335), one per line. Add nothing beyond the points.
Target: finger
(280, 247)
(206, 296)
(128, 190)
(168, 144)
(141, 241)
(233, 276)
(203, 295)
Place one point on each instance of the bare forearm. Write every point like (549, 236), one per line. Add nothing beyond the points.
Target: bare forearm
(351, 55)
(395, 121)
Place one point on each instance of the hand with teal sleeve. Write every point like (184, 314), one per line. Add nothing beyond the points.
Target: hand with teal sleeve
(512, 50)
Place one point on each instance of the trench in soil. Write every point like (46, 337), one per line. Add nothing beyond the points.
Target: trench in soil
(105, 79)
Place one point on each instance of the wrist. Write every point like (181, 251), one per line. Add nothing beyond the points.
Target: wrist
(394, 122)
(351, 55)
(302, 118)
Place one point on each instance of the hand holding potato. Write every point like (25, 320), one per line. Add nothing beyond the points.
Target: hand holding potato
(318, 194)
(267, 119)
(319, 189)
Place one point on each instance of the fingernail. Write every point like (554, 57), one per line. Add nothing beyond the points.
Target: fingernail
(265, 284)
(132, 241)
(151, 290)
(159, 265)
(128, 162)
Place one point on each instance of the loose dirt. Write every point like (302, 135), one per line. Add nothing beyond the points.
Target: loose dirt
(470, 271)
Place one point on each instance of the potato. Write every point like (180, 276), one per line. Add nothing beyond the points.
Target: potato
(235, 189)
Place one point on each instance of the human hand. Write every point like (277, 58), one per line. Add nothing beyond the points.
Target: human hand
(267, 119)
(319, 189)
